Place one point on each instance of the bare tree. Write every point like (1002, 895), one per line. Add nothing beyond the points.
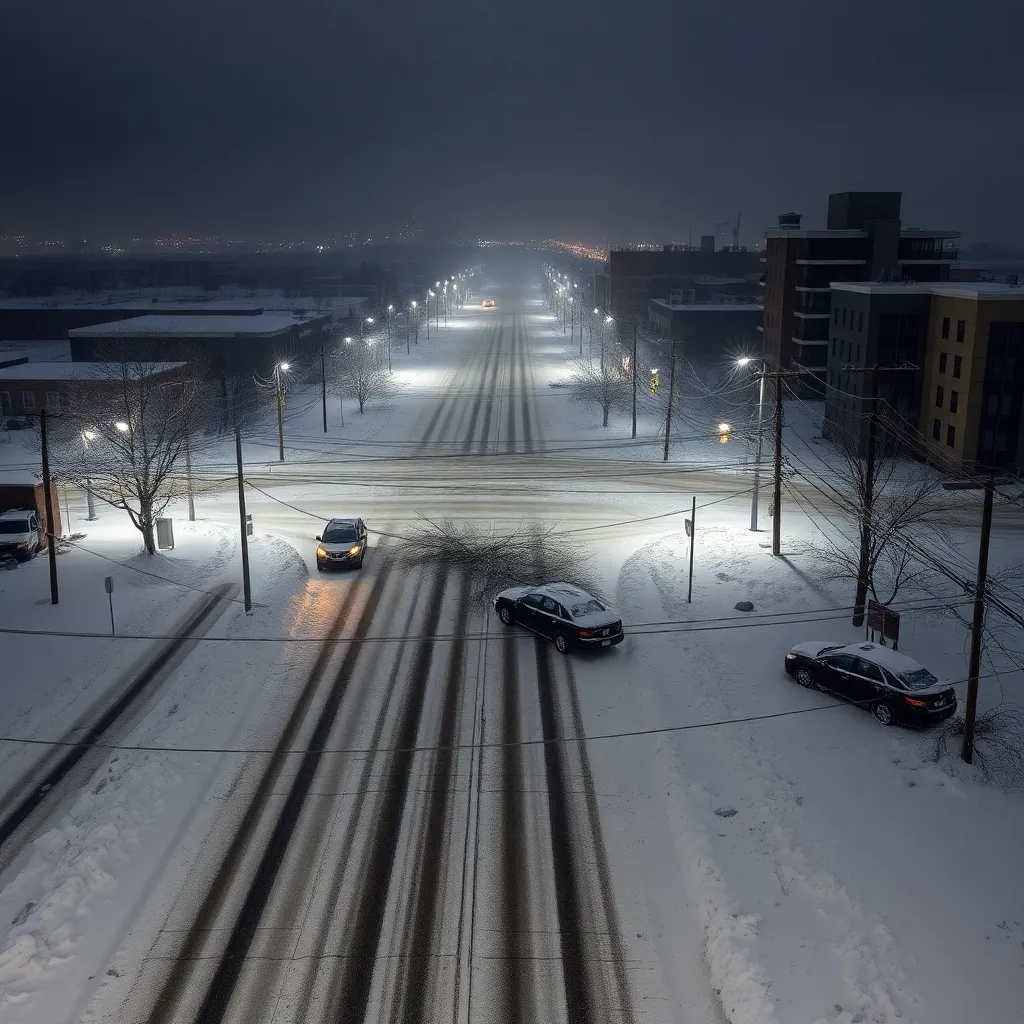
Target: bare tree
(131, 432)
(361, 371)
(598, 384)
(894, 501)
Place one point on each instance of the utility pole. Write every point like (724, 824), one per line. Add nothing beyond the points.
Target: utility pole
(757, 459)
(246, 589)
(188, 473)
(777, 491)
(323, 384)
(280, 415)
(634, 380)
(866, 504)
(977, 626)
(668, 411)
(51, 547)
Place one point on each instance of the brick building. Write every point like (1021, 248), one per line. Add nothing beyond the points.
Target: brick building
(863, 241)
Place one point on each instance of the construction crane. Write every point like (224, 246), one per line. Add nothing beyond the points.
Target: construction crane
(734, 228)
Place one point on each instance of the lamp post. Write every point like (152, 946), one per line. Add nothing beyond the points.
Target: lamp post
(412, 307)
(607, 320)
(426, 311)
(87, 436)
(278, 370)
(745, 361)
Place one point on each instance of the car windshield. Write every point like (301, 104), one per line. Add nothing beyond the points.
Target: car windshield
(14, 526)
(586, 608)
(341, 535)
(917, 679)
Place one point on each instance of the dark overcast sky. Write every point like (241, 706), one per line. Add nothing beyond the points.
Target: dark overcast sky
(592, 118)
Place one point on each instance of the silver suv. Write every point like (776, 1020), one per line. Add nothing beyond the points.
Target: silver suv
(343, 543)
(19, 534)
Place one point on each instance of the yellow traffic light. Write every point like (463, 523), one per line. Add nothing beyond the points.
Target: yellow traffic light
(654, 385)
(724, 432)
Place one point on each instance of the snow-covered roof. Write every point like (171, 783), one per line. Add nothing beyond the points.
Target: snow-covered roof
(710, 307)
(952, 289)
(113, 302)
(266, 324)
(84, 371)
(35, 351)
(884, 656)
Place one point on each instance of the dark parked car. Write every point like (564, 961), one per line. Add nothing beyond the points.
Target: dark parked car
(570, 617)
(342, 544)
(892, 686)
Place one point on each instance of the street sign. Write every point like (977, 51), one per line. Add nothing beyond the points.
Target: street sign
(884, 621)
(688, 523)
(248, 525)
(108, 584)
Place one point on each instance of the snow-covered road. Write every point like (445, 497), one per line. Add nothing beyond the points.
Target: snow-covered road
(380, 808)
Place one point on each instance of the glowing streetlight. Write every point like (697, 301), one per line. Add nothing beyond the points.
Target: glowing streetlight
(284, 366)
(122, 426)
(87, 436)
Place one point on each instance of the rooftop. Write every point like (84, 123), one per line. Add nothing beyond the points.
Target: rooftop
(113, 302)
(266, 324)
(952, 289)
(857, 233)
(710, 307)
(83, 371)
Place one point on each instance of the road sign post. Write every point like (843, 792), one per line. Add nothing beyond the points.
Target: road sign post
(108, 586)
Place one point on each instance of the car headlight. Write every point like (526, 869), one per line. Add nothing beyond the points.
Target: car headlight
(354, 550)
(23, 543)
(321, 552)
(791, 656)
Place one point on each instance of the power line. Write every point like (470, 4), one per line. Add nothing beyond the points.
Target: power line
(429, 749)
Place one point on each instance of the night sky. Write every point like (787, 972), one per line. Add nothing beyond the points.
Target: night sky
(603, 119)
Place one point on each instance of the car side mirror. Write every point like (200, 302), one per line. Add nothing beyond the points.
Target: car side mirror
(318, 537)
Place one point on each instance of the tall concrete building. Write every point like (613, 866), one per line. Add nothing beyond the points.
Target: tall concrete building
(863, 240)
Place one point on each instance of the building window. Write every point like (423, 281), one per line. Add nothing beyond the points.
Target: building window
(950, 435)
(942, 362)
(53, 401)
(860, 322)
(28, 401)
(954, 400)
(939, 396)
(957, 363)
(937, 429)
(961, 329)
(5, 403)
(945, 327)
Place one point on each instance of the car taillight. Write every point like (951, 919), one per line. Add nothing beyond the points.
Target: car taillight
(586, 632)
(915, 703)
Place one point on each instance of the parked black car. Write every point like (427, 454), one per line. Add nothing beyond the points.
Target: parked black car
(342, 544)
(570, 617)
(892, 686)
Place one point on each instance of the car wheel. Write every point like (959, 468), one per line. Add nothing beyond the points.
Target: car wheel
(359, 564)
(882, 712)
(319, 567)
(561, 643)
(805, 677)
(505, 614)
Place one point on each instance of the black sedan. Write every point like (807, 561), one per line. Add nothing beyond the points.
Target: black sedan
(570, 617)
(892, 686)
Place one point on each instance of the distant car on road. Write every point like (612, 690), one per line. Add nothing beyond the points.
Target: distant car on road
(342, 544)
(570, 617)
(488, 303)
(893, 687)
(19, 534)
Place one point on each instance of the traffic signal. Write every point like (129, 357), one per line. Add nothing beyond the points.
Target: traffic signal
(655, 383)
(724, 432)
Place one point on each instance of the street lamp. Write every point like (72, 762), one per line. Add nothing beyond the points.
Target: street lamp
(122, 426)
(87, 436)
(278, 370)
(426, 310)
(746, 361)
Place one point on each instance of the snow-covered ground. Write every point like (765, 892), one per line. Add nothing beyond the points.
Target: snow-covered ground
(828, 870)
